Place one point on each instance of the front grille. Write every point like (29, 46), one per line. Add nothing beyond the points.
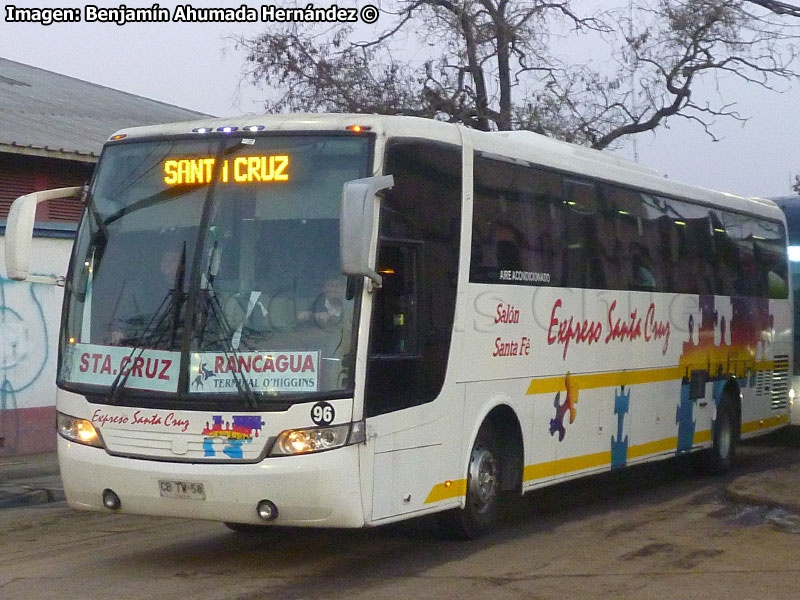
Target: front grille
(780, 382)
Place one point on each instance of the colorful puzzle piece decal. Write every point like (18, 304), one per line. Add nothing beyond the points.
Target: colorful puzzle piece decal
(245, 428)
(557, 424)
(619, 446)
(719, 386)
(738, 346)
(684, 417)
(750, 332)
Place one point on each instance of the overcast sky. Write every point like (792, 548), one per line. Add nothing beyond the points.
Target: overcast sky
(193, 66)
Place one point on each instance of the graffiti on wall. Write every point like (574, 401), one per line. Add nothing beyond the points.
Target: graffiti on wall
(24, 353)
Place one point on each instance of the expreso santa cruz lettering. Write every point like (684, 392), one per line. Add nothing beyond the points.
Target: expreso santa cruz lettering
(566, 329)
(141, 418)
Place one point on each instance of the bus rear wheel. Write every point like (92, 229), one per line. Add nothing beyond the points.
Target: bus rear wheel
(719, 459)
(483, 491)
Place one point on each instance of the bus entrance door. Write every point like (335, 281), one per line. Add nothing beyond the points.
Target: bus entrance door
(396, 399)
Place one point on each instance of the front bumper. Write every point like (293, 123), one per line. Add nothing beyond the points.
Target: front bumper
(319, 490)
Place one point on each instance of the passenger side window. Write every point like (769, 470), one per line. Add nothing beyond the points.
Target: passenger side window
(517, 234)
(582, 258)
(770, 258)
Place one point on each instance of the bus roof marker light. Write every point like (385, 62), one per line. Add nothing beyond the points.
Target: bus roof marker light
(227, 129)
(201, 129)
(358, 128)
(255, 128)
(119, 136)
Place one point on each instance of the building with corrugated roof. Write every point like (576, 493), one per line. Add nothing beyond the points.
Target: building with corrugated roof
(52, 129)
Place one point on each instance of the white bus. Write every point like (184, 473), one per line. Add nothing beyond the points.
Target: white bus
(348, 320)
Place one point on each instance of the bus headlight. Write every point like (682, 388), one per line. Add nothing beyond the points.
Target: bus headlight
(79, 431)
(318, 439)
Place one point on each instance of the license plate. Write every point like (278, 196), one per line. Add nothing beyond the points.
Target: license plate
(184, 490)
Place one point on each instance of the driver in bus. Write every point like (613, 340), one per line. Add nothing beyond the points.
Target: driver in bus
(327, 308)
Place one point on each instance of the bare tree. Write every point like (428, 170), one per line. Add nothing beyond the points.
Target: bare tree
(779, 8)
(671, 48)
(494, 64)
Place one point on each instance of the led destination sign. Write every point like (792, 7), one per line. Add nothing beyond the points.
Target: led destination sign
(242, 169)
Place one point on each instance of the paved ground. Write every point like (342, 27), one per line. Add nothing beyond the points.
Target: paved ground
(773, 487)
(34, 479)
(29, 479)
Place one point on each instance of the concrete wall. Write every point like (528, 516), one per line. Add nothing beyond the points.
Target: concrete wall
(30, 314)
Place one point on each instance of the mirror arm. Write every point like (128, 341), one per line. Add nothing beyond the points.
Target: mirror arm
(58, 280)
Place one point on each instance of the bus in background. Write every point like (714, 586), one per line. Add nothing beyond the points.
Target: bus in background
(790, 205)
(349, 320)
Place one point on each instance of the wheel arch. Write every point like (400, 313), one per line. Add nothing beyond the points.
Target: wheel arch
(510, 444)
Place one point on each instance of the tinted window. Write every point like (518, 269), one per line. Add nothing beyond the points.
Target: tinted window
(534, 227)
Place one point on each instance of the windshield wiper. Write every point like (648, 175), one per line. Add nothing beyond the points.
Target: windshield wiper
(170, 307)
(157, 198)
(178, 296)
(211, 305)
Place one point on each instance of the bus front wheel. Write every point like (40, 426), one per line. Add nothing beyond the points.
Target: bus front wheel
(483, 490)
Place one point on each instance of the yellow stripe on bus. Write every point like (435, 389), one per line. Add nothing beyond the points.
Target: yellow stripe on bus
(765, 423)
(457, 488)
(656, 447)
(551, 385)
(566, 465)
(603, 459)
(447, 490)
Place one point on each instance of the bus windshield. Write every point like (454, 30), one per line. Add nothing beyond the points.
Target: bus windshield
(204, 266)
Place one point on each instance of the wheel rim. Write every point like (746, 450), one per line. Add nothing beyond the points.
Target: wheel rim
(483, 479)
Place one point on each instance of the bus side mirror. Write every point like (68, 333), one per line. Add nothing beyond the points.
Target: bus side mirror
(356, 226)
(19, 232)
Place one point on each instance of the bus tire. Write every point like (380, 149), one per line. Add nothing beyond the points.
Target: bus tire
(479, 514)
(719, 459)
